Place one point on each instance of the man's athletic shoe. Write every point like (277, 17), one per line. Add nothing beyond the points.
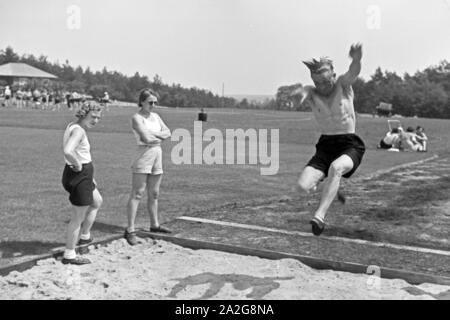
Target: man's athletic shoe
(160, 229)
(130, 237)
(341, 197)
(76, 261)
(317, 226)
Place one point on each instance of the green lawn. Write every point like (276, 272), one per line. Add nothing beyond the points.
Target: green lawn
(34, 208)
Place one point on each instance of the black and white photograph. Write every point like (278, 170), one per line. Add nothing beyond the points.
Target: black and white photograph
(224, 155)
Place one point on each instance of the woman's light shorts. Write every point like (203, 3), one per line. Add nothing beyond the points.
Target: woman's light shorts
(148, 160)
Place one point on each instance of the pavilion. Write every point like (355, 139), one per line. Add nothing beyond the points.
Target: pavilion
(21, 73)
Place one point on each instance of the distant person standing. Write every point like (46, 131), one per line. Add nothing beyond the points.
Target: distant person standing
(78, 181)
(105, 98)
(28, 97)
(202, 116)
(57, 100)
(44, 99)
(68, 102)
(36, 97)
(149, 130)
(7, 96)
(19, 98)
(75, 99)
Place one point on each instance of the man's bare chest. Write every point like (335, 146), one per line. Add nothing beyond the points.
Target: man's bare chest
(337, 103)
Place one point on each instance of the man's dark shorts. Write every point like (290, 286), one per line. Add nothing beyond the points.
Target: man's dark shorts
(79, 185)
(331, 147)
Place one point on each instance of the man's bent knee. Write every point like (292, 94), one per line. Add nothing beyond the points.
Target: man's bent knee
(338, 169)
(307, 186)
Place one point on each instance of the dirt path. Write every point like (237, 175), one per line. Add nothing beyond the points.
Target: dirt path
(161, 270)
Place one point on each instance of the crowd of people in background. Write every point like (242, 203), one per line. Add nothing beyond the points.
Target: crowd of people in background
(397, 139)
(45, 99)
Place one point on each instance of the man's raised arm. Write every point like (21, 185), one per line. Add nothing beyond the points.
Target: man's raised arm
(355, 67)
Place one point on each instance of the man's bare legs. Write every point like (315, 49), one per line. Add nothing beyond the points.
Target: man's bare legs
(338, 168)
(311, 177)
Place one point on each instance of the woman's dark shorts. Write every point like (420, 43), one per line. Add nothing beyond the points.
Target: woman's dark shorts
(80, 185)
(331, 147)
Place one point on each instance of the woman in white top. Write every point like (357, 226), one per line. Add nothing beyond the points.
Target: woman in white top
(149, 130)
(78, 180)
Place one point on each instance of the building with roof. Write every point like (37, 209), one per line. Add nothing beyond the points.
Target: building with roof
(15, 73)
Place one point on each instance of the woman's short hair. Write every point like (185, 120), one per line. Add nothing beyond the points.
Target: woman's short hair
(87, 107)
(145, 94)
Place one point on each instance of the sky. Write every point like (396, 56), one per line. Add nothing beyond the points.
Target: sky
(250, 46)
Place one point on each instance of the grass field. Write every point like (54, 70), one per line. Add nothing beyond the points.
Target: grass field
(34, 208)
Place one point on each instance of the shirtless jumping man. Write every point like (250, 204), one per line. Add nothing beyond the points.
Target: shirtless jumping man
(339, 151)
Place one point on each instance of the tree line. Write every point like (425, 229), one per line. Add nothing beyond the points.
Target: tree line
(424, 94)
(118, 85)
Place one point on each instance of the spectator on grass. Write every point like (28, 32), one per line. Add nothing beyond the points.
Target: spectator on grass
(57, 99)
(390, 140)
(19, 98)
(7, 96)
(105, 98)
(78, 181)
(149, 130)
(409, 141)
(44, 98)
(28, 97)
(422, 138)
(36, 95)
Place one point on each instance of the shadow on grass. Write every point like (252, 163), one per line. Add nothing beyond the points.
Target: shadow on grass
(14, 249)
(345, 232)
(105, 227)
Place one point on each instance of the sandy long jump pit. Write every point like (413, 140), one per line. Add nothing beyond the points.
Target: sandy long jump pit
(163, 270)
(392, 235)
